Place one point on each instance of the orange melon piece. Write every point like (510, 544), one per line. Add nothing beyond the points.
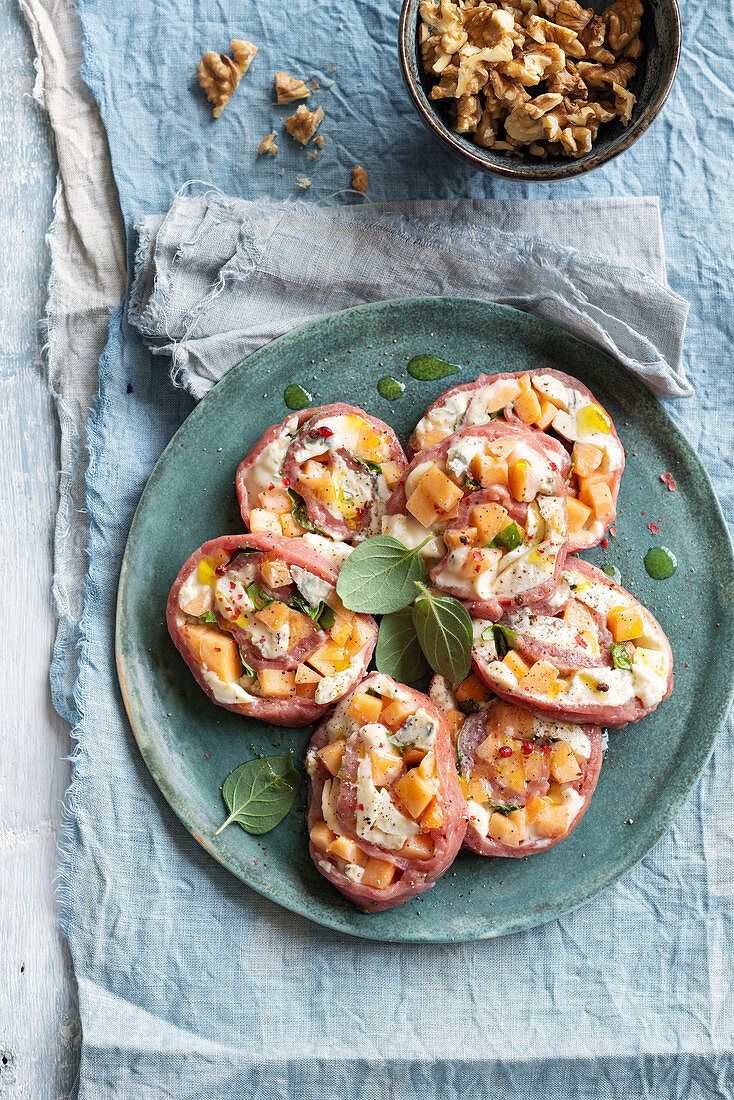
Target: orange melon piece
(488, 748)
(578, 514)
(432, 816)
(307, 680)
(595, 491)
(275, 573)
(552, 821)
(521, 479)
(321, 836)
(276, 683)
(533, 807)
(542, 679)
(275, 500)
(422, 507)
(427, 766)
(455, 719)
(378, 873)
(527, 406)
(413, 756)
(386, 766)
(586, 458)
(395, 713)
(578, 616)
(372, 447)
(504, 392)
(364, 708)
(289, 527)
(515, 663)
(348, 850)
(476, 789)
(414, 792)
(563, 764)
(331, 755)
(419, 847)
(329, 658)
(524, 382)
(340, 631)
(274, 615)
(517, 817)
(534, 765)
(362, 633)
(489, 520)
(444, 493)
(391, 473)
(262, 521)
(547, 411)
(625, 623)
(472, 689)
(462, 536)
(503, 830)
(488, 470)
(511, 773)
(217, 651)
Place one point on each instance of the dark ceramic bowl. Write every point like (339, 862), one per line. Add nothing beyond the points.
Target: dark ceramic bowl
(661, 35)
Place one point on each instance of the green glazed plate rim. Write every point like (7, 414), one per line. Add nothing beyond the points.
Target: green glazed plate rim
(678, 786)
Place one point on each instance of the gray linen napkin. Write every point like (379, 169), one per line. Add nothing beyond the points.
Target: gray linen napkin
(217, 278)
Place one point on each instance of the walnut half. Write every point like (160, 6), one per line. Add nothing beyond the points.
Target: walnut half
(288, 88)
(267, 145)
(219, 75)
(359, 180)
(304, 123)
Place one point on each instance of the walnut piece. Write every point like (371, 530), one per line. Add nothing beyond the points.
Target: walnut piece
(319, 141)
(623, 21)
(359, 180)
(288, 88)
(304, 123)
(220, 75)
(303, 182)
(267, 145)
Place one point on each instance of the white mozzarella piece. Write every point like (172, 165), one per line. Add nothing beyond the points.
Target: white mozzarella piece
(411, 533)
(334, 551)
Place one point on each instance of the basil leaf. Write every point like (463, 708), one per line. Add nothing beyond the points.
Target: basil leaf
(260, 793)
(503, 638)
(322, 614)
(325, 616)
(375, 694)
(398, 653)
(258, 597)
(468, 706)
(620, 656)
(247, 670)
(501, 808)
(380, 575)
(374, 466)
(445, 633)
(208, 617)
(300, 513)
(508, 538)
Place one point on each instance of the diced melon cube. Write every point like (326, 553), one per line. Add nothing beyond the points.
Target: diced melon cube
(261, 522)
(595, 492)
(444, 493)
(477, 789)
(563, 764)
(488, 748)
(363, 632)
(521, 479)
(276, 683)
(515, 663)
(547, 412)
(511, 773)
(552, 821)
(347, 849)
(427, 766)
(198, 604)
(479, 561)
(586, 458)
(331, 755)
(322, 659)
(472, 689)
(289, 527)
(524, 381)
(578, 616)
(461, 536)
(372, 445)
(430, 437)
(455, 719)
(423, 507)
(307, 680)
(321, 836)
(217, 651)
(386, 766)
(578, 514)
(341, 630)
(534, 765)
(396, 712)
(489, 519)
(378, 873)
(504, 391)
(503, 830)
(625, 623)
(275, 500)
(488, 470)
(364, 708)
(533, 807)
(517, 817)
(415, 792)
(274, 616)
(420, 847)
(527, 406)
(391, 473)
(275, 573)
(413, 756)
(300, 627)
(541, 679)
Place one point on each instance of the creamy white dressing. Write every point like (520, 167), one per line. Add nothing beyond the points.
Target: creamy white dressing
(411, 533)
(194, 593)
(231, 597)
(333, 550)
(379, 820)
(467, 408)
(331, 687)
(542, 628)
(345, 431)
(441, 694)
(329, 800)
(266, 470)
(232, 692)
(312, 588)
(571, 402)
(599, 597)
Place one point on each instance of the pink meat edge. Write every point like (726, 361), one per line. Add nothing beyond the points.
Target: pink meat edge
(319, 515)
(254, 453)
(585, 787)
(279, 712)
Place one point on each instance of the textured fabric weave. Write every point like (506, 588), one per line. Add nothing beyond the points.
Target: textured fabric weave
(192, 986)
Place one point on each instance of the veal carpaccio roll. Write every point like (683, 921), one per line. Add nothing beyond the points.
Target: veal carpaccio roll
(492, 503)
(386, 816)
(592, 653)
(259, 623)
(328, 470)
(555, 403)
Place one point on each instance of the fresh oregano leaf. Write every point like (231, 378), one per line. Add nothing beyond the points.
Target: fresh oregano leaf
(300, 513)
(398, 653)
(620, 656)
(260, 793)
(503, 807)
(504, 639)
(380, 575)
(258, 597)
(445, 634)
(208, 617)
(509, 538)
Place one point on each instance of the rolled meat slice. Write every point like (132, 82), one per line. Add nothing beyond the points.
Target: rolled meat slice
(527, 779)
(591, 654)
(553, 402)
(386, 816)
(489, 504)
(328, 470)
(258, 621)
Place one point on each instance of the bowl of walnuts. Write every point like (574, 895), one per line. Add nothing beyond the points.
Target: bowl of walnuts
(539, 90)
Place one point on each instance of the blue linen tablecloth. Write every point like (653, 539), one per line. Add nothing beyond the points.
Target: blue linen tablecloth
(191, 985)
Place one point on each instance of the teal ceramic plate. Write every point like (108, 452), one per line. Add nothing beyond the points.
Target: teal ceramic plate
(190, 745)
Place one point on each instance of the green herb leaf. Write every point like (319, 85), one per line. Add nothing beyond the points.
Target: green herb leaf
(427, 368)
(370, 465)
(258, 597)
(321, 613)
(508, 538)
(380, 575)
(375, 694)
(501, 808)
(326, 617)
(472, 484)
(300, 513)
(503, 638)
(208, 617)
(468, 706)
(398, 653)
(246, 668)
(445, 633)
(260, 793)
(620, 656)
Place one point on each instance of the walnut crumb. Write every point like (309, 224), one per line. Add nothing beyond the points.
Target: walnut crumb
(288, 88)
(304, 123)
(220, 75)
(319, 141)
(267, 145)
(312, 154)
(303, 182)
(359, 180)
